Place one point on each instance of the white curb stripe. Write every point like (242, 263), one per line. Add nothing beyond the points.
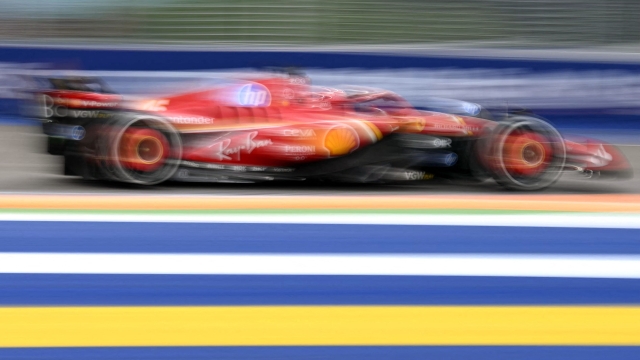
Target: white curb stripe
(286, 264)
(571, 220)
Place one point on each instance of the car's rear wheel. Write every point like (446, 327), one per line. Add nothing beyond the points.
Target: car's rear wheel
(145, 150)
(526, 154)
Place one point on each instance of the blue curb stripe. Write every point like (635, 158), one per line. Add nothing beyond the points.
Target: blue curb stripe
(330, 353)
(296, 238)
(63, 289)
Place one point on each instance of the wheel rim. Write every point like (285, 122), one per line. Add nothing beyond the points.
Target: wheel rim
(533, 154)
(526, 154)
(143, 149)
(149, 150)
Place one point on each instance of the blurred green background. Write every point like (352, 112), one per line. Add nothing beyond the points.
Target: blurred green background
(514, 23)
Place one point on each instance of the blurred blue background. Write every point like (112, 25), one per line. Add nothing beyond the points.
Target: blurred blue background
(574, 62)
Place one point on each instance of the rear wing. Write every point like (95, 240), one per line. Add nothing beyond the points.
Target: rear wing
(85, 84)
(72, 99)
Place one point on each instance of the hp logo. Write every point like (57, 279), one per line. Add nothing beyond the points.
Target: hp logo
(254, 95)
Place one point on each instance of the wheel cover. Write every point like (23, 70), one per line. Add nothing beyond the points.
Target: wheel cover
(143, 149)
(526, 154)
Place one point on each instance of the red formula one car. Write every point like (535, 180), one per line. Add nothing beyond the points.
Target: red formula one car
(278, 127)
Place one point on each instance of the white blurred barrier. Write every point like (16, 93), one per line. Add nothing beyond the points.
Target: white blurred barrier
(496, 87)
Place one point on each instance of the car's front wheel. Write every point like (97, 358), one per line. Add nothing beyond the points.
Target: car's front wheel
(525, 153)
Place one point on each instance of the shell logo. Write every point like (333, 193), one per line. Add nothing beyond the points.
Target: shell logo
(341, 141)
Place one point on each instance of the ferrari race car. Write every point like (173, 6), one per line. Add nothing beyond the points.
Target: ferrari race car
(277, 126)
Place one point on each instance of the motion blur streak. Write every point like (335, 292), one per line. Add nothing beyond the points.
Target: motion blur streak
(314, 325)
(589, 266)
(461, 218)
(328, 352)
(350, 203)
(192, 290)
(53, 237)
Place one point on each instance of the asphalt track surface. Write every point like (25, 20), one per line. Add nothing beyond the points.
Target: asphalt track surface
(25, 167)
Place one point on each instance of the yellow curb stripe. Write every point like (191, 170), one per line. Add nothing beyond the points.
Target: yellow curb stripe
(319, 325)
(572, 203)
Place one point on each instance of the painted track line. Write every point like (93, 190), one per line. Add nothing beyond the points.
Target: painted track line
(91, 326)
(568, 266)
(627, 203)
(567, 220)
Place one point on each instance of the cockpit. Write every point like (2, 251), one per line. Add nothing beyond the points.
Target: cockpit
(383, 104)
